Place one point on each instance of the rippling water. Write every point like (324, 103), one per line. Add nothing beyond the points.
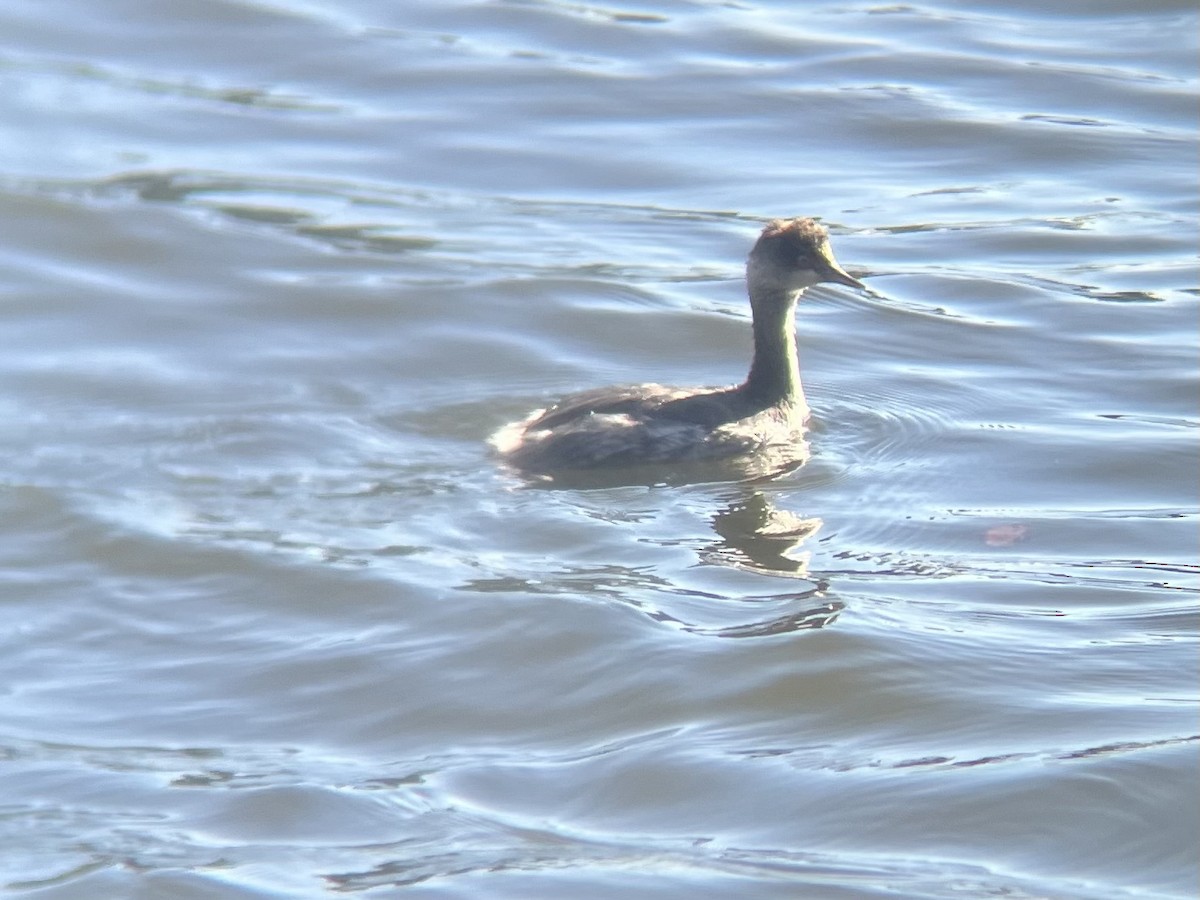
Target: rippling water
(277, 625)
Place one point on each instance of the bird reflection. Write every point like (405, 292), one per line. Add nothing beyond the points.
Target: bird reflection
(750, 533)
(755, 534)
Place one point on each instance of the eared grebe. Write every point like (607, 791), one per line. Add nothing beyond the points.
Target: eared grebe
(652, 424)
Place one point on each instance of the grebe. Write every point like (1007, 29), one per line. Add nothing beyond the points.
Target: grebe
(652, 424)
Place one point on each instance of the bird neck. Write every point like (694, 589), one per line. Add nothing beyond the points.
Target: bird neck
(774, 377)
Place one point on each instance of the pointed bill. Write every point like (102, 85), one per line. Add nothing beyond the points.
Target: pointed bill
(831, 271)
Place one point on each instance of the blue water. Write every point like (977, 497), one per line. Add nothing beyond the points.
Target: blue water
(280, 626)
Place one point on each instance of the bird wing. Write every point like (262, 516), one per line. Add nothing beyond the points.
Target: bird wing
(633, 400)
